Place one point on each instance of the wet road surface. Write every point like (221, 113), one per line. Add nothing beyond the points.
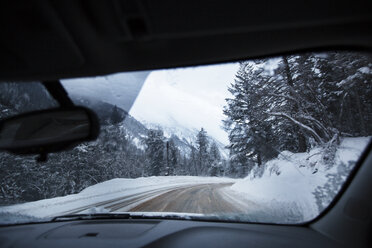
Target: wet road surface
(203, 199)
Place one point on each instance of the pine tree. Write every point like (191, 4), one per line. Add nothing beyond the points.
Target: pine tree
(347, 90)
(202, 149)
(155, 152)
(194, 162)
(215, 152)
(215, 161)
(250, 135)
(310, 99)
(172, 157)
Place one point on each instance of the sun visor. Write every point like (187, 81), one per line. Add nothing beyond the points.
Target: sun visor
(45, 43)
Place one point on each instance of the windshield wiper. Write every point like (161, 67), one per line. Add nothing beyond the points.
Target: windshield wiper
(141, 215)
(98, 216)
(126, 215)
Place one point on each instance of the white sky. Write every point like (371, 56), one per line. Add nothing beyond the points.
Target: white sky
(189, 97)
(120, 89)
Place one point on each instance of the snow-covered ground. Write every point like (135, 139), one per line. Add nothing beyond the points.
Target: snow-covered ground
(109, 190)
(299, 185)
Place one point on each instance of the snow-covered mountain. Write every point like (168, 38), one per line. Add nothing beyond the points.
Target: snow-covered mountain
(186, 136)
(136, 130)
(125, 91)
(180, 100)
(187, 97)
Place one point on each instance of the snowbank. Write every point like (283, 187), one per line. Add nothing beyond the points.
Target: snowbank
(112, 189)
(289, 182)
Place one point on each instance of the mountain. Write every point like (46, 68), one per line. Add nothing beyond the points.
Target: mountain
(102, 109)
(182, 137)
(185, 137)
(171, 98)
(134, 129)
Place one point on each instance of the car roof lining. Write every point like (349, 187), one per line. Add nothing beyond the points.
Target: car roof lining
(48, 40)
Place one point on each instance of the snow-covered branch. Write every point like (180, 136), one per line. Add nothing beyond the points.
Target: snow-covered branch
(312, 131)
(318, 123)
(283, 96)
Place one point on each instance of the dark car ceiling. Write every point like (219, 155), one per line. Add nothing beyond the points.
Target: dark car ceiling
(60, 38)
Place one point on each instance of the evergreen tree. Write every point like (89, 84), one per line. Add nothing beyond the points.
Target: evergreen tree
(250, 134)
(347, 91)
(215, 161)
(309, 99)
(202, 149)
(172, 157)
(155, 152)
(193, 162)
(214, 152)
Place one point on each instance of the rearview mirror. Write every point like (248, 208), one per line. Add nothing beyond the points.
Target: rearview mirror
(46, 131)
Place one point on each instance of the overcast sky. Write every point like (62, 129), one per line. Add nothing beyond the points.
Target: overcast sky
(120, 89)
(189, 97)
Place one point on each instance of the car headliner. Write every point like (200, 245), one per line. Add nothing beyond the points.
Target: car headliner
(45, 40)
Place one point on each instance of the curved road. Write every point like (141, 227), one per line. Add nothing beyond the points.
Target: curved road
(204, 199)
(199, 199)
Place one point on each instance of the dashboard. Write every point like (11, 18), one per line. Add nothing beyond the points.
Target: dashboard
(159, 233)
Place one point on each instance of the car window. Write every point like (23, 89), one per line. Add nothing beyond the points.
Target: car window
(268, 140)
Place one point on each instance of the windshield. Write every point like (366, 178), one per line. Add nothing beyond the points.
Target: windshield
(268, 140)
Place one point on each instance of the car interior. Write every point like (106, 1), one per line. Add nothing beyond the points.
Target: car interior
(50, 40)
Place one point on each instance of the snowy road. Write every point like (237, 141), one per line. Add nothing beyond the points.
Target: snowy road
(189, 194)
(201, 198)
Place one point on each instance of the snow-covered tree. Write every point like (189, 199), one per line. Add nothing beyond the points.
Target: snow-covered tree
(215, 161)
(250, 135)
(202, 146)
(308, 99)
(155, 152)
(172, 157)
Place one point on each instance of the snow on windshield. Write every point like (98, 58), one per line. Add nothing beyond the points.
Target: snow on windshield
(269, 140)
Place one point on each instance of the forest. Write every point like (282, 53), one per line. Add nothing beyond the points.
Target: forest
(308, 100)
